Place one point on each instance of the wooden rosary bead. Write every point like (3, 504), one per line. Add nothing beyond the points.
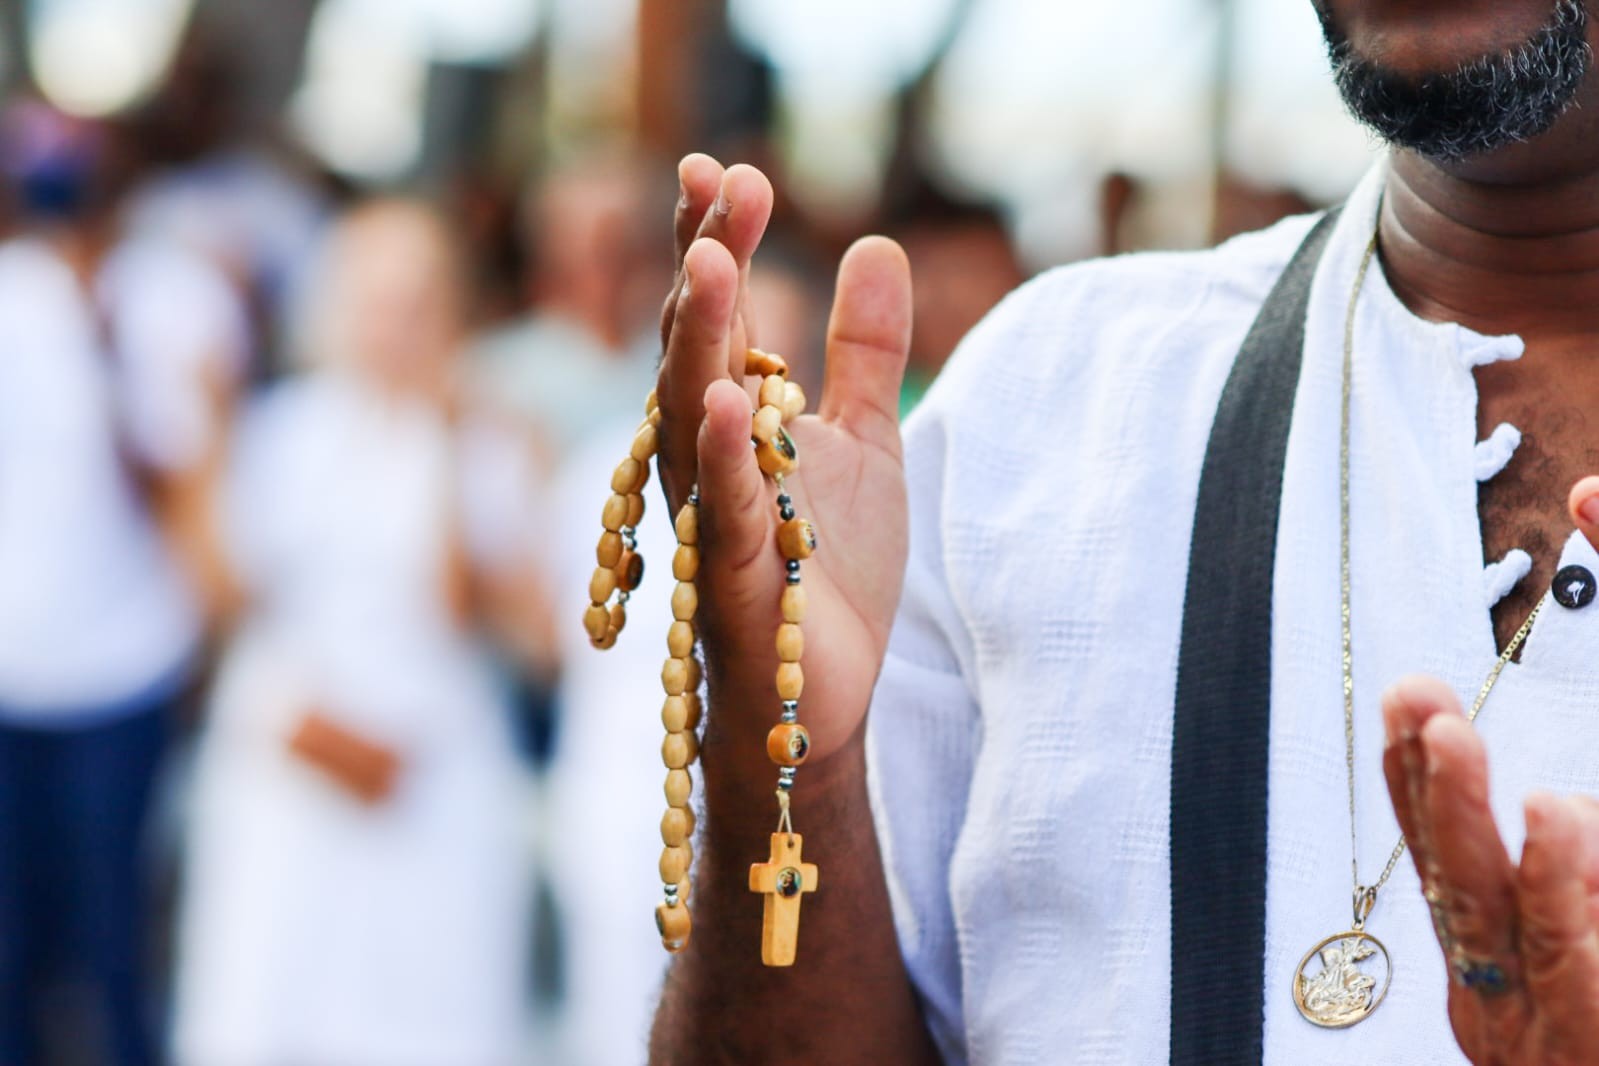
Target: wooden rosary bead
(685, 601)
(652, 402)
(790, 681)
(679, 787)
(677, 824)
(614, 517)
(765, 424)
(771, 393)
(629, 571)
(763, 364)
(675, 751)
(674, 676)
(796, 538)
(629, 477)
(602, 584)
(790, 642)
(621, 569)
(645, 441)
(794, 603)
(788, 744)
(688, 525)
(686, 562)
(674, 925)
(793, 401)
(777, 456)
(609, 551)
(680, 640)
(675, 714)
(674, 864)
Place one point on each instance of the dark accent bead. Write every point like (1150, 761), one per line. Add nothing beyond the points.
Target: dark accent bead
(1574, 587)
(784, 784)
(783, 500)
(793, 566)
(787, 513)
(793, 577)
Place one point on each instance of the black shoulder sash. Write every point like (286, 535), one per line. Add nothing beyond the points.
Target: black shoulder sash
(1223, 709)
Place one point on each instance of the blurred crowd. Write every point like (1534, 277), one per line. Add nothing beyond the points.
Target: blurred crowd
(304, 757)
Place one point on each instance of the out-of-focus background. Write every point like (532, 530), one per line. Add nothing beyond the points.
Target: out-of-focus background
(322, 323)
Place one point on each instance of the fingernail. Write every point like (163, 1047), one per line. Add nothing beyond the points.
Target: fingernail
(723, 206)
(1589, 510)
(1538, 808)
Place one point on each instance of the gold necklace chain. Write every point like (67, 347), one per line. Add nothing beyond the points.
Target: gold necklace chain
(1365, 897)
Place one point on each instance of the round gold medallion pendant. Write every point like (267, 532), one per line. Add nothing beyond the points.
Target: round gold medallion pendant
(1351, 974)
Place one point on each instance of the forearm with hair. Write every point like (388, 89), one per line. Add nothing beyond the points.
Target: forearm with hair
(848, 998)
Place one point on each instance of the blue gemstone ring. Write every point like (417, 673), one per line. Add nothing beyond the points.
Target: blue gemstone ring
(1482, 976)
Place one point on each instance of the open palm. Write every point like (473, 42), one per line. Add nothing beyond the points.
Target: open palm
(851, 480)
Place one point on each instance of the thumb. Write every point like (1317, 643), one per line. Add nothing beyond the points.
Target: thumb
(868, 341)
(1584, 507)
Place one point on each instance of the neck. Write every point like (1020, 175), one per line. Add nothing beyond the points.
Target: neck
(1506, 243)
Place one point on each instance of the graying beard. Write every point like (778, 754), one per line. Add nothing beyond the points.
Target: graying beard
(1485, 105)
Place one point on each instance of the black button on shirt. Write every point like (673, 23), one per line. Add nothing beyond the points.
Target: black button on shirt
(1574, 587)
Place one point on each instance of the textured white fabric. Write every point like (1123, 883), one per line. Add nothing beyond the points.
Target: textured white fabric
(92, 608)
(1495, 453)
(1021, 733)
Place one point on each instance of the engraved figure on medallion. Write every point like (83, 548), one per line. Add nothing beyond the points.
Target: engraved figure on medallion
(1341, 993)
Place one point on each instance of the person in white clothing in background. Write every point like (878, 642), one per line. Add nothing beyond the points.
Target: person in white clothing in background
(357, 888)
(116, 356)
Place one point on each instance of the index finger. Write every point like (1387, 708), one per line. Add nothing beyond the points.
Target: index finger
(735, 216)
(699, 179)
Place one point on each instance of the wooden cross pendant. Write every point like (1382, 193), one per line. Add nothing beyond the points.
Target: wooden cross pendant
(784, 880)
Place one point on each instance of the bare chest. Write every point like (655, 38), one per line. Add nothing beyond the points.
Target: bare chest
(1524, 506)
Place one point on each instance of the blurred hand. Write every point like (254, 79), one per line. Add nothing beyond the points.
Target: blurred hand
(1521, 940)
(364, 768)
(850, 483)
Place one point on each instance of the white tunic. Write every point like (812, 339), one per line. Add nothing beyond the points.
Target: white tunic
(1021, 733)
(93, 609)
(316, 929)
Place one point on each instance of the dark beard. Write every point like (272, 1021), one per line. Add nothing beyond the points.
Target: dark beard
(1485, 105)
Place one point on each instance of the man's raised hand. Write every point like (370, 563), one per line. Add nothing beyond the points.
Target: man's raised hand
(850, 481)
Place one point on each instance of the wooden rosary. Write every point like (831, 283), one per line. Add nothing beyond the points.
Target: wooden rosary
(783, 879)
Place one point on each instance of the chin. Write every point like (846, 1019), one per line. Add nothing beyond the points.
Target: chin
(1418, 38)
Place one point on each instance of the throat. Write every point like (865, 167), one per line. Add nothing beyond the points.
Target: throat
(1497, 257)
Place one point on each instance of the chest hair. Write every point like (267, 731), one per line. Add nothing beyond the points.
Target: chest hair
(1524, 506)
